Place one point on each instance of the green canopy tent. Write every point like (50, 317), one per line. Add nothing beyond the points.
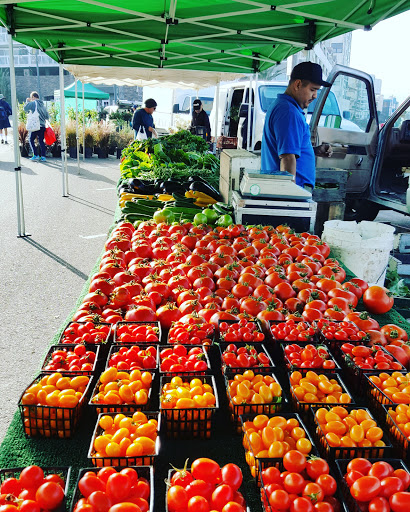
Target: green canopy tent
(90, 92)
(211, 36)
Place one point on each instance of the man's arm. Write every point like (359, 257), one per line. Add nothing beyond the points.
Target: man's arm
(323, 150)
(288, 163)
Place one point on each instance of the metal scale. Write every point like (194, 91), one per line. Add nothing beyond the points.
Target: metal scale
(278, 185)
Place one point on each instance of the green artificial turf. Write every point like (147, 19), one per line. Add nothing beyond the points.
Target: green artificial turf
(224, 446)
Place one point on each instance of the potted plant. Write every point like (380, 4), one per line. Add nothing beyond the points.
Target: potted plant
(56, 147)
(102, 140)
(23, 139)
(88, 141)
(71, 139)
(124, 137)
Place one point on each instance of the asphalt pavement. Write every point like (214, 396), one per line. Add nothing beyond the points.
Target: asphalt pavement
(43, 274)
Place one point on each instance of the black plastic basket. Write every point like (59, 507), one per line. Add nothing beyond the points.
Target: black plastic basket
(104, 345)
(343, 452)
(303, 408)
(377, 399)
(326, 371)
(259, 347)
(257, 464)
(188, 347)
(142, 460)
(116, 347)
(250, 409)
(63, 472)
(146, 472)
(399, 439)
(189, 423)
(124, 408)
(52, 421)
(232, 322)
(153, 324)
(314, 341)
(341, 466)
(70, 347)
(334, 345)
(171, 473)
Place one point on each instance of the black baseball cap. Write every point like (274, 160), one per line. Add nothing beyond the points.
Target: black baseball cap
(150, 103)
(309, 71)
(197, 103)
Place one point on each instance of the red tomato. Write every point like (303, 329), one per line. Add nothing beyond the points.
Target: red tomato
(378, 300)
(206, 469)
(231, 474)
(400, 502)
(49, 495)
(365, 488)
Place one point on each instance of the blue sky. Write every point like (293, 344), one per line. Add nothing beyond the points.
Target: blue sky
(385, 53)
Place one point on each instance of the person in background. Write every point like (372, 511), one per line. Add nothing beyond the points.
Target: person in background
(5, 112)
(143, 120)
(200, 118)
(286, 144)
(30, 106)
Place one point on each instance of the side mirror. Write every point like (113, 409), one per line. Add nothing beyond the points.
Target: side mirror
(243, 111)
(333, 121)
(346, 114)
(175, 108)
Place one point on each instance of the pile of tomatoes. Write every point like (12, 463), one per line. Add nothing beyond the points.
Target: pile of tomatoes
(74, 359)
(32, 491)
(340, 331)
(305, 486)
(86, 332)
(293, 330)
(369, 358)
(395, 386)
(136, 333)
(205, 487)
(191, 334)
(315, 388)
(254, 388)
(113, 491)
(179, 358)
(378, 486)
(308, 356)
(245, 356)
(133, 358)
(181, 393)
(243, 330)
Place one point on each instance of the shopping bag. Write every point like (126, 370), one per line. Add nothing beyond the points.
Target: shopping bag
(49, 135)
(142, 134)
(33, 121)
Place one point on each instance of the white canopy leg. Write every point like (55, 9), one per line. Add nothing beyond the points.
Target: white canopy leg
(83, 127)
(248, 135)
(254, 113)
(63, 140)
(21, 228)
(216, 118)
(76, 127)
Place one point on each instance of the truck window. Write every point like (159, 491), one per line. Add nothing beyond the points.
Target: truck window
(185, 105)
(206, 103)
(268, 94)
(331, 107)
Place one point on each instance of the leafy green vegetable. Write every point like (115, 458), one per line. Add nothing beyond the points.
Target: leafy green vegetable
(396, 285)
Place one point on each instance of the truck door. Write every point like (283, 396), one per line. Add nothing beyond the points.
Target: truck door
(390, 177)
(352, 134)
(242, 130)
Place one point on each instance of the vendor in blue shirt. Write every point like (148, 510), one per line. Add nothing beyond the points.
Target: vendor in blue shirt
(286, 144)
(143, 120)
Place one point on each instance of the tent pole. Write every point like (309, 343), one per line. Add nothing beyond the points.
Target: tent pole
(63, 139)
(216, 118)
(254, 113)
(172, 108)
(83, 127)
(248, 135)
(76, 126)
(21, 228)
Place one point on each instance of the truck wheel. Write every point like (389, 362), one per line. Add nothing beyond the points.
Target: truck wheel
(360, 209)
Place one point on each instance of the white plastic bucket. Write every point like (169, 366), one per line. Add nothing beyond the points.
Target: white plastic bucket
(364, 248)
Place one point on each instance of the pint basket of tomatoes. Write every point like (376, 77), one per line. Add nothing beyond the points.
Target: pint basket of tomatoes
(177, 359)
(317, 390)
(192, 334)
(133, 357)
(267, 439)
(304, 357)
(219, 488)
(48, 487)
(120, 489)
(240, 356)
(125, 439)
(334, 333)
(299, 484)
(253, 392)
(88, 333)
(348, 431)
(248, 331)
(387, 389)
(71, 358)
(398, 424)
(374, 484)
(137, 332)
(52, 404)
(121, 391)
(188, 403)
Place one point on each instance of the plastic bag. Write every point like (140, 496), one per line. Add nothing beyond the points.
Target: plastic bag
(142, 134)
(49, 135)
(33, 121)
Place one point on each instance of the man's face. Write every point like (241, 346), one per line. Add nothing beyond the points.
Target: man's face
(151, 110)
(197, 108)
(304, 95)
